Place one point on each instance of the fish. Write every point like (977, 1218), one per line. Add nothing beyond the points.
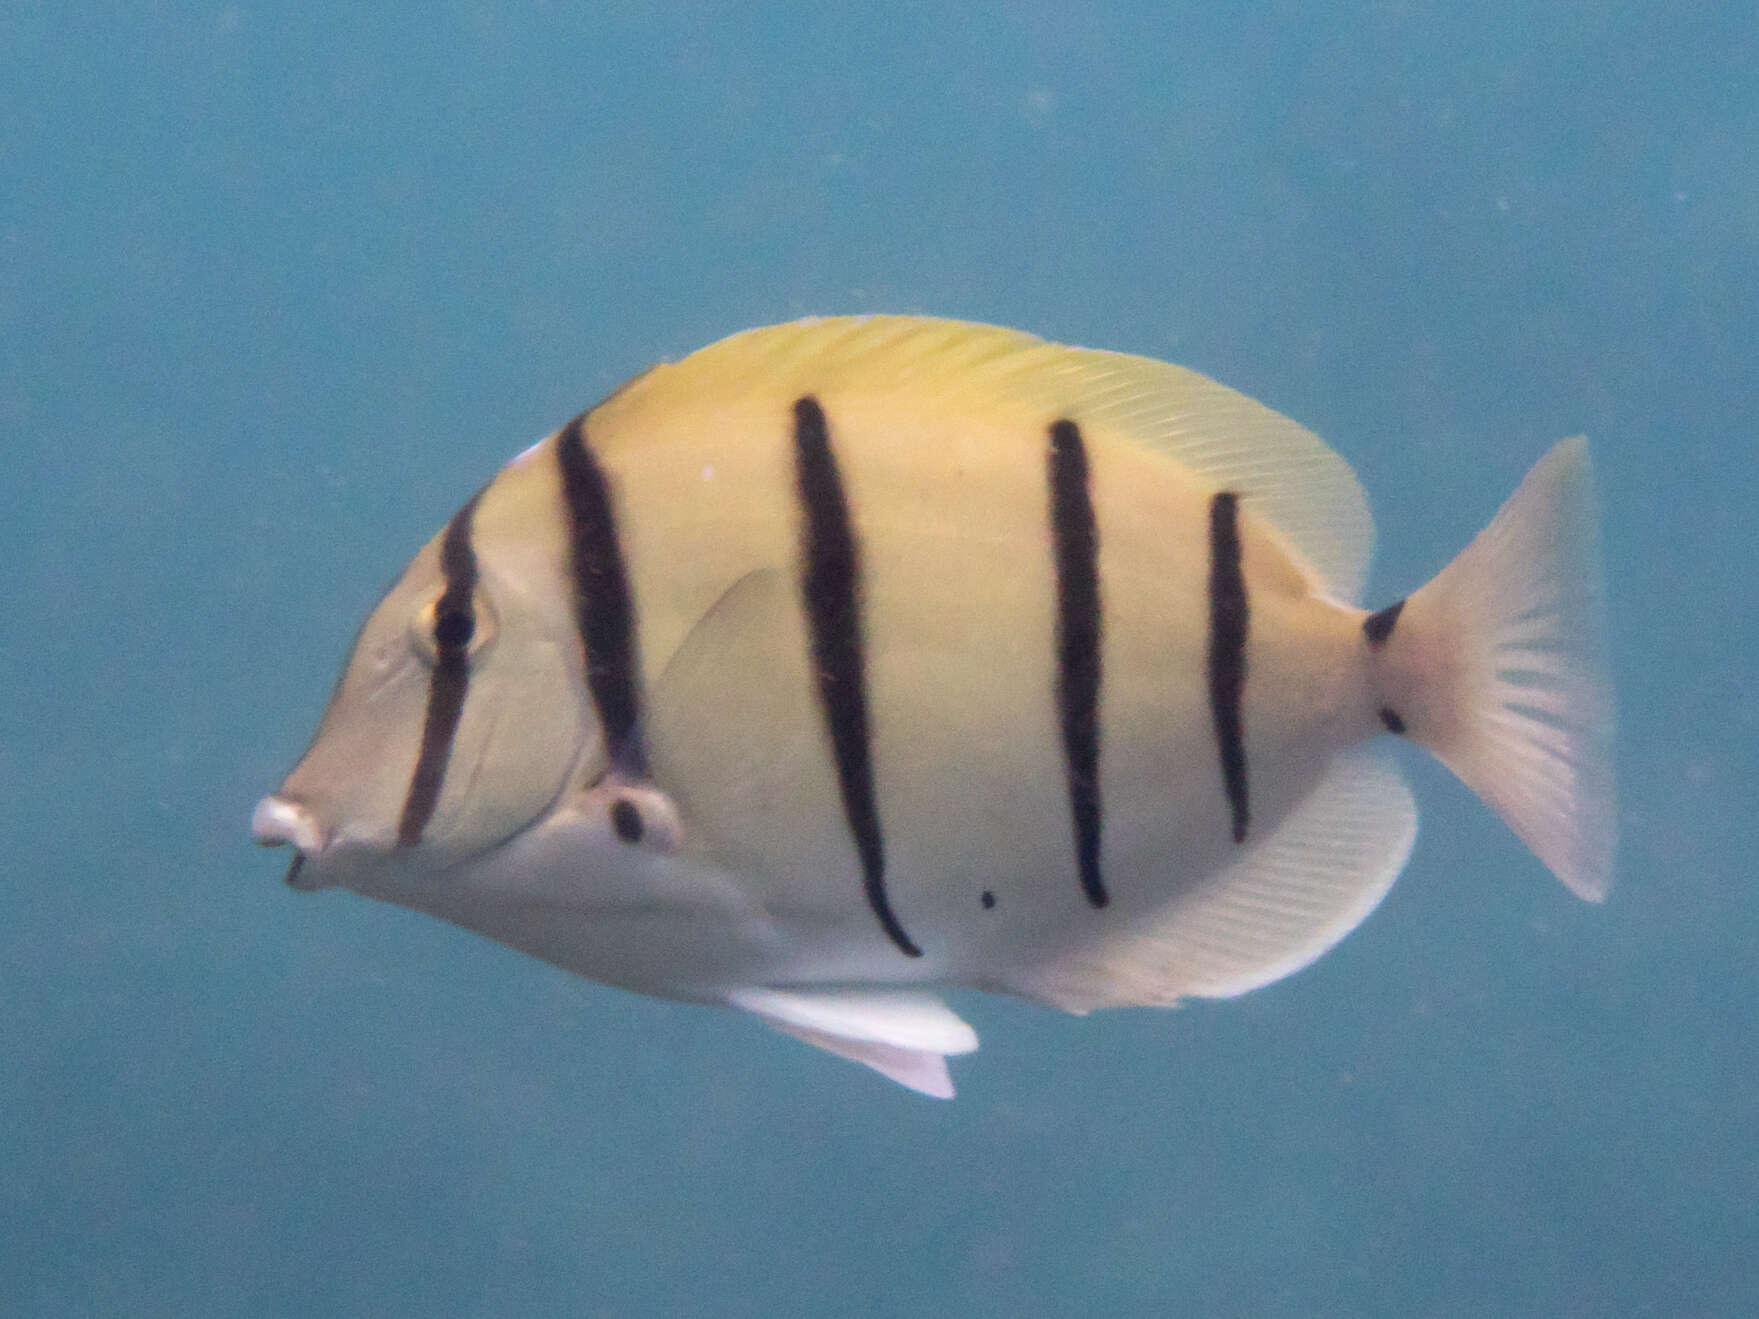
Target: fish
(850, 661)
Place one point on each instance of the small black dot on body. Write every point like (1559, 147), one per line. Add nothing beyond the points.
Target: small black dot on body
(1390, 718)
(989, 899)
(626, 820)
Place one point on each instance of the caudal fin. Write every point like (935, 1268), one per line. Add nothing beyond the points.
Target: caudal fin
(1497, 668)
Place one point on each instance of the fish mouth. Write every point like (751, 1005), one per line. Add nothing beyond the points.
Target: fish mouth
(277, 821)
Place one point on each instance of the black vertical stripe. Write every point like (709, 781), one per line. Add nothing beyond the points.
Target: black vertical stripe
(831, 591)
(454, 624)
(1227, 650)
(1075, 537)
(603, 610)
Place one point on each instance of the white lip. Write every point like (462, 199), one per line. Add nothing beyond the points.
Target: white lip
(276, 821)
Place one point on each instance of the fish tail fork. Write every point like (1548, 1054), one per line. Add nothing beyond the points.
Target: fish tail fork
(1497, 668)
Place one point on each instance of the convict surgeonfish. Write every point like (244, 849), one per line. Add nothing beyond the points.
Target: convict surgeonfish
(850, 658)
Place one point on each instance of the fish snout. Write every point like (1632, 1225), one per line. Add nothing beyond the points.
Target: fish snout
(276, 821)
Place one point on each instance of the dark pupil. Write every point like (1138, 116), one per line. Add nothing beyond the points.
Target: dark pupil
(453, 628)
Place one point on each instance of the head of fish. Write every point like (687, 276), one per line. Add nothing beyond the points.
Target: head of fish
(461, 714)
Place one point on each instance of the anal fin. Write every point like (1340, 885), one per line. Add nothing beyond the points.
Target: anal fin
(905, 1037)
(1273, 911)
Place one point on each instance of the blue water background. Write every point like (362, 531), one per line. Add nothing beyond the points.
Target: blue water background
(280, 286)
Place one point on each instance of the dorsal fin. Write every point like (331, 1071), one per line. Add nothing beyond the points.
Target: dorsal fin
(1286, 474)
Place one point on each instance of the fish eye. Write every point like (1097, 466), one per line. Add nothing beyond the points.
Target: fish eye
(444, 626)
(453, 626)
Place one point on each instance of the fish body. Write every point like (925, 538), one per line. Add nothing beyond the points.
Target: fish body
(853, 657)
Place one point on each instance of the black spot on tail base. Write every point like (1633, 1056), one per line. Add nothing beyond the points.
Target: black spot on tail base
(1378, 626)
(1075, 538)
(830, 588)
(604, 610)
(1228, 618)
(454, 625)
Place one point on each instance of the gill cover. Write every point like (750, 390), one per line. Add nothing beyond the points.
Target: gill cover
(460, 716)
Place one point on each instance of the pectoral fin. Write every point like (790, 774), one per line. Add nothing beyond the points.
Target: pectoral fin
(734, 728)
(905, 1037)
